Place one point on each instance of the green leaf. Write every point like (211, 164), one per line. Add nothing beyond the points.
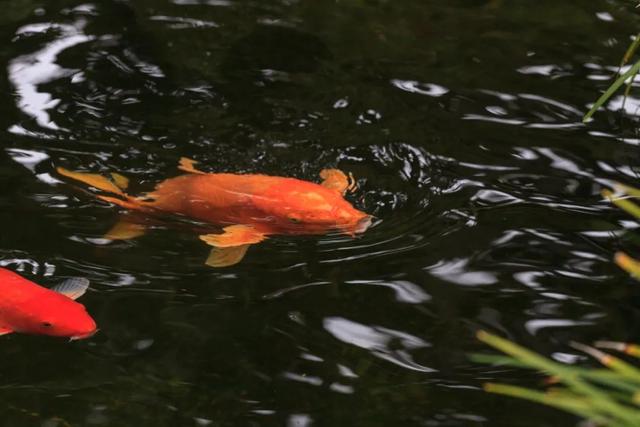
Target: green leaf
(624, 204)
(631, 50)
(493, 359)
(632, 191)
(611, 90)
(570, 403)
(599, 399)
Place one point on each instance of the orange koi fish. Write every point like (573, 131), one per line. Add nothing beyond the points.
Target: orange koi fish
(31, 309)
(249, 207)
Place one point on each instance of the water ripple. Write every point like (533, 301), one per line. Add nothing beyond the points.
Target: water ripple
(378, 341)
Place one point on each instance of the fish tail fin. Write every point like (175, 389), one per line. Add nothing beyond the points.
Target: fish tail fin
(116, 186)
(98, 181)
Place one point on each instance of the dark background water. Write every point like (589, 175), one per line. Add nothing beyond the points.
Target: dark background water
(461, 121)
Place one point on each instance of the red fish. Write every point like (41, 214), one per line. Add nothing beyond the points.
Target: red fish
(31, 309)
(249, 207)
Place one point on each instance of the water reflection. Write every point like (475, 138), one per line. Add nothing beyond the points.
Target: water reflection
(29, 72)
(380, 341)
(534, 326)
(529, 111)
(223, 3)
(455, 271)
(178, 23)
(299, 420)
(404, 290)
(428, 89)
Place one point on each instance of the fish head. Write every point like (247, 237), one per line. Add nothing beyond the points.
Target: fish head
(67, 319)
(313, 208)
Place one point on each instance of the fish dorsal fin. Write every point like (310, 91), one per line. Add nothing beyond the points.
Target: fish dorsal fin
(337, 180)
(72, 288)
(188, 165)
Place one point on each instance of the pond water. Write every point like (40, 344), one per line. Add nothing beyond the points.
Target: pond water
(461, 121)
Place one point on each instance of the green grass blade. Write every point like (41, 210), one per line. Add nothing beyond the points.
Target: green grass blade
(492, 359)
(622, 347)
(599, 399)
(626, 370)
(603, 377)
(610, 379)
(576, 405)
(525, 356)
(611, 90)
(624, 204)
(628, 264)
(632, 191)
(631, 50)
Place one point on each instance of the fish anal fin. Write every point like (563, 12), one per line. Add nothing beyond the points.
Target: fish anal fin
(72, 288)
(92, 179)
(337, 180)
(188, 165)
(234, 235)
(225, 257)
(5, 331)
(125, 230)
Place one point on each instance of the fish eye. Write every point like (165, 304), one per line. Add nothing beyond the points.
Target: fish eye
(47, 324)
(294, 220)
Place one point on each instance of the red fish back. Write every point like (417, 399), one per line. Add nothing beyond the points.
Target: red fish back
(215, 198)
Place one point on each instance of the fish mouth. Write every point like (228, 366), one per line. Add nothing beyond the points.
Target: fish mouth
(363, 224)
(84, 336)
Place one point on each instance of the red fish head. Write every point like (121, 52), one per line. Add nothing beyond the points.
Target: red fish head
(66, 318)
(315, 209)
(352, 221)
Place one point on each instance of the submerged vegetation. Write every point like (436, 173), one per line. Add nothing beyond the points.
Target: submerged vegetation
(625, 78)
(608, 396)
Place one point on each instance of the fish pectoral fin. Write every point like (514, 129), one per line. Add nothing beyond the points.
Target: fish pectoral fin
(225, 257)
(5, 331)
(72, 288)
(94, 180)
(337, 180)
(234, 235)
(125, 230)
(231, 245)
(188, 165)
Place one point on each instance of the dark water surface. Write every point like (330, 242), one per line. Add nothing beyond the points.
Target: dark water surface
(461, 121)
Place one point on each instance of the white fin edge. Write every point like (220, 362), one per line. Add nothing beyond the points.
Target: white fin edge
(72, 288)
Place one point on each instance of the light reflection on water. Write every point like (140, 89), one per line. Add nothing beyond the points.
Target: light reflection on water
(379, 341)
(28, 72)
